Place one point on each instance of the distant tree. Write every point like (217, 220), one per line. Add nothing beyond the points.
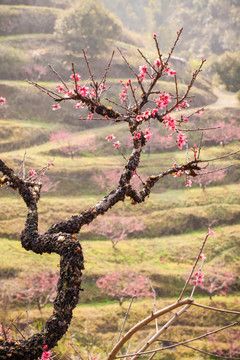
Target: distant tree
(117, 228)
(40, 289)
(205, 180)
(226, 132)
(231, 347)
(122, 285)
(84, 24)
(218, 282)
(227, 67)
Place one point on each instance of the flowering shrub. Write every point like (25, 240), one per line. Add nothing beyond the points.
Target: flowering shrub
(117, 228)
(122, 285)
(40, 289)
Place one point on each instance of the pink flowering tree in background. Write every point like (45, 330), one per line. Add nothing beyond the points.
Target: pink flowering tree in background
(124, 285)
(40, 289)
(117, 228)
(218, 282)
(225, 133)
(74, 145)
(142, 101)
(231, 347)
(210, 176)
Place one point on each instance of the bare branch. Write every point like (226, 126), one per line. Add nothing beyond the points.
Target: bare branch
(217, 309)
(143, 323)
(194, 267)
(125, 317)
(179, 343)
(60, 78)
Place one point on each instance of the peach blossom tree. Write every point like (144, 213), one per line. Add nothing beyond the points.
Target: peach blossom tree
(141, 102)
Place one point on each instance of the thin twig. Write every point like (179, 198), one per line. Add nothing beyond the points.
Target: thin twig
(28, 324)
(217, 309)
(46, 91)
(22, 167)
(121, 106)
(107, 70)
(74, 77)
(216, 170)
(159, 52)
(174, 45)
(200, 129)
(134, 97)
(89, 68)
(143, 323)
(126, 315)
(147, 61)
(180, 343)
(194, 267)
(136, 75)
(200, 146)
(155, 301)
(219, 157)
(203, 352)
(19, 331)
(176, 87)
(60, 78)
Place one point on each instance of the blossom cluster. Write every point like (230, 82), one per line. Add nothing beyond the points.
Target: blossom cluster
(163, 100)
(2, 100)
(5, 332)
(46, 355)
(116, 144)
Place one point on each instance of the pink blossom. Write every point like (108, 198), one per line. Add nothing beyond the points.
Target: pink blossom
(56, 107)
(139, 117)
(211, 232)
(199, 112)
(90, 116)
(116, 145)
(32, 172)
(147, 113)
(154, 112)
(148, 134)
(157, 62)
(84, 91)
(154, 34)
(169, 122)
(60, 88)
(142, 72)
(170, 136)
(76, 77)
(69, 93)
(93, 93)
(110, 137)
(199, 278)
(163, 100)
(137, 136)
(68, 343)
(202, 256)
(123, 95)
(2, 100)
(169, 72)
(181, 140)
(188, 183)
(182, 105)
(79, 105)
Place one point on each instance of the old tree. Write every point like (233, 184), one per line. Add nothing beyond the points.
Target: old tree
(138, 106)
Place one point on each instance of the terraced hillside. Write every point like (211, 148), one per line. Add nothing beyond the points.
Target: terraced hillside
(174, 218)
